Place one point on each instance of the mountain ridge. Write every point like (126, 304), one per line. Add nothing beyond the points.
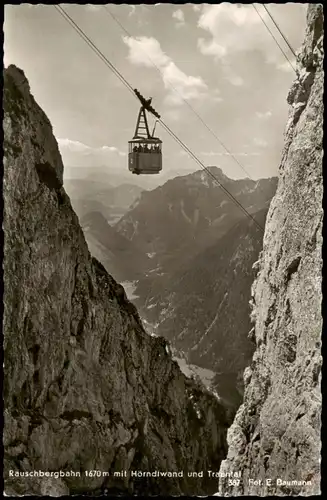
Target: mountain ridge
(112, 201)
(181, 218)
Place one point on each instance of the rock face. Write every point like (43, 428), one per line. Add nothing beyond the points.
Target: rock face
(276, 432)
(85, 388)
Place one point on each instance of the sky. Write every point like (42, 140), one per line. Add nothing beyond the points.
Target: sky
(216, 61)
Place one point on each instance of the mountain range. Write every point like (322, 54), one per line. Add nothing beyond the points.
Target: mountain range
(89, 195)
(188, 250)
(176, 221)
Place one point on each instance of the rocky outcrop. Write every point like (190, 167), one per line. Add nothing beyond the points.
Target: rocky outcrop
(274, 441)
(86, 390)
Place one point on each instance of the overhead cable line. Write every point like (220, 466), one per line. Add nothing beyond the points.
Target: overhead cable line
(93, 47)
(128, 34)
(280, 31)
(195, 158)
(130, 88)
(183, 98)
(273, 36)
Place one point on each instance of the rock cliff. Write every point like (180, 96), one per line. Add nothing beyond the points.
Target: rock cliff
(274, 441)
(85, 388)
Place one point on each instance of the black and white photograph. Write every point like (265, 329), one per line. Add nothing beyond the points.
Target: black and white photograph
(162, 233)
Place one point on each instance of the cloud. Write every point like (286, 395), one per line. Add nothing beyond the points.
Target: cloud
(287, 67)
(179, 16)
(236, 80)
(211, 48)
(74, 146)
(188, 87)
(67, 145)
(213, 153)
(146, 51)
(76, 154)
(264, 115)
(260, 142)
(235, 29)
(173, 114)
(219, 47)
(230, 25)
(93, 8)
(230, 75)
(111, 149)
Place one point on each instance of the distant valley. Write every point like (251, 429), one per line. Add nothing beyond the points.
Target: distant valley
(184, 253)
(112, 202)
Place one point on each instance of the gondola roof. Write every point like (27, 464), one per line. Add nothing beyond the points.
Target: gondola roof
(151, 140)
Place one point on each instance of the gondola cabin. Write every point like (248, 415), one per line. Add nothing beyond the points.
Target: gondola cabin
(144, 150)
(145, 156)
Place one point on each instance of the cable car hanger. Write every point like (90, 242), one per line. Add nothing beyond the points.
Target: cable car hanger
(142, 122)
(144, 155)
(146, 103)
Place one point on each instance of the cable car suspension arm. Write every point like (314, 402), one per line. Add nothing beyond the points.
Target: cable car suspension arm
(146, 103)
(154, 127)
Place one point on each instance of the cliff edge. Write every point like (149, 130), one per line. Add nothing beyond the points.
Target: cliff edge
(87, 392)
(274, 441)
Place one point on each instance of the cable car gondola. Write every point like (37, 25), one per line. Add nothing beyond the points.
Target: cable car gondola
(144, 150)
